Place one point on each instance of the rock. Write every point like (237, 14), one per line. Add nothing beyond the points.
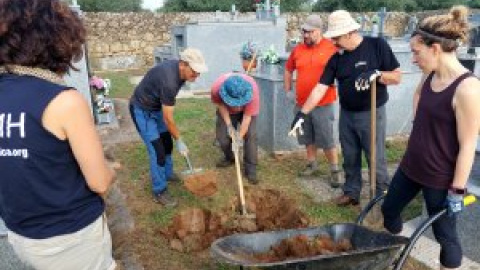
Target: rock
(177, 245)
(192, 220)
(193, 242)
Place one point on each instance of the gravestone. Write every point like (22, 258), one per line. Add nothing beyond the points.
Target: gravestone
(221, 43)
(79, 78)
(411, 26)
(382, 15)
(468, 55)
(363, 20)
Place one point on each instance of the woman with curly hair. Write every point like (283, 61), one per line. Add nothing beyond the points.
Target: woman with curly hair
(441, 147)
(54, 173)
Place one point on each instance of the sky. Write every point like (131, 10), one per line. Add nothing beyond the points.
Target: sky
(152, 4)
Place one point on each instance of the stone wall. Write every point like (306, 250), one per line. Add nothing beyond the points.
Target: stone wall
(127, 40)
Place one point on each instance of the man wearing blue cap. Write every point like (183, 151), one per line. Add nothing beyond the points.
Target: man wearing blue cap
(237, 98)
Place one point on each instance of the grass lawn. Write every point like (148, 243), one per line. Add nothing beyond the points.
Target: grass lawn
(196, 120)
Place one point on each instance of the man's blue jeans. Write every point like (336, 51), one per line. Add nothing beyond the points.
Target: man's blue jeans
(152, 128)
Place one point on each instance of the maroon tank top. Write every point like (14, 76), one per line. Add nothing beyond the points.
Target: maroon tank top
(432, 150)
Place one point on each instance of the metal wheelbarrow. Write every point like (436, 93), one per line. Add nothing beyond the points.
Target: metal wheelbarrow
(372, 250)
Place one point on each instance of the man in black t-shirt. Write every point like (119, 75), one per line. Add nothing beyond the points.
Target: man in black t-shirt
(360, 62)
(151, 107)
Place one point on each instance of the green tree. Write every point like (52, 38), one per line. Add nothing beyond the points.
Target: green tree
(110, 6)
(391, 5)
(439, 4)
(225, 5)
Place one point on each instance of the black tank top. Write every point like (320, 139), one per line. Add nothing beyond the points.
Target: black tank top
(43, 192)
(433, 147)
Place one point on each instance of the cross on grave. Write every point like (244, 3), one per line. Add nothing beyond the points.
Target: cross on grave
(382, 14)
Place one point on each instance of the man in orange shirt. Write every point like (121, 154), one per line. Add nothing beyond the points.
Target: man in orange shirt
(309, 60)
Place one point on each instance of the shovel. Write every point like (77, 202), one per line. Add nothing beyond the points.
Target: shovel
(198, 182)
(190, 170)
(375, 215)
(236, 149)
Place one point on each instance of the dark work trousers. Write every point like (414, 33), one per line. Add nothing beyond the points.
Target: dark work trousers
(401, 191)
(354, 131)
(249, 142)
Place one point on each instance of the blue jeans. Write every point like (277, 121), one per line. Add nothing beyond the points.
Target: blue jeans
(354, 130)
(157, 139)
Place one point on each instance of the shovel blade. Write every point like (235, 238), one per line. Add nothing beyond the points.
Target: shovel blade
(191, 172)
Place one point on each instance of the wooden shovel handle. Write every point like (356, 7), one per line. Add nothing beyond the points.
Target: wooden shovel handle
(373, 140)
(239, 180)
(250, 65)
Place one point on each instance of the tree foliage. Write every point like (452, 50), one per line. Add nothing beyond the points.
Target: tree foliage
(225, 5)
(393, 5)
(110, 5)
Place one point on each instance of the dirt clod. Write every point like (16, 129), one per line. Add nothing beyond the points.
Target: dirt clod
(202, 184)
(301, 246)
(196, 228)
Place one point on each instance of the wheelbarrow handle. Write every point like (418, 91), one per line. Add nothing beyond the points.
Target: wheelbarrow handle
(369, 207)
(469, 199)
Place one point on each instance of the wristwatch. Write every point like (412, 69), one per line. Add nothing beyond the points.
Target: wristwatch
(458, 191)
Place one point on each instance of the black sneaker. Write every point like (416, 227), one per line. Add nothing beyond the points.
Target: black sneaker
(224, 163)
(165, 199)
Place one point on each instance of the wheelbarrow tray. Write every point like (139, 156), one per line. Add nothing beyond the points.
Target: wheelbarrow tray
(371, 250)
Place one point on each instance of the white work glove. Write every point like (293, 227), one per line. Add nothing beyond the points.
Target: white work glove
(297, 124)
(237, 141)
(365, 79)
(290, 95)
(182, 147)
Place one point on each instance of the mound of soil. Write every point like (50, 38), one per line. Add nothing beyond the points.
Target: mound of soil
(195, 229)
(201, 184)
(274, 211)
(302, 246)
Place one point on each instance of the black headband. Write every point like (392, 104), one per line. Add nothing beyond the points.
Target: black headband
(436, 37)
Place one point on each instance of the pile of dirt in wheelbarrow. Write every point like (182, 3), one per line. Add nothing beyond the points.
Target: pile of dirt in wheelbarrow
(301, 246)
(195, 229)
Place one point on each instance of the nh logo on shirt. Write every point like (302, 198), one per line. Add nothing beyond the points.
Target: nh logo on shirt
(9, 125)
(361, 63)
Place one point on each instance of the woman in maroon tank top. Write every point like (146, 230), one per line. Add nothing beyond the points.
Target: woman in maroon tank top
(441, 147)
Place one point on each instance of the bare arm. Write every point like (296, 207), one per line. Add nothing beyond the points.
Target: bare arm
(287, 80)
(68, 117)
(245, 125)
(222, 109)
(467, 113)
(169, 121)
(315, 96)
(391, 77)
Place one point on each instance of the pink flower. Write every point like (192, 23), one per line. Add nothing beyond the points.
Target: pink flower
(97, 82)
